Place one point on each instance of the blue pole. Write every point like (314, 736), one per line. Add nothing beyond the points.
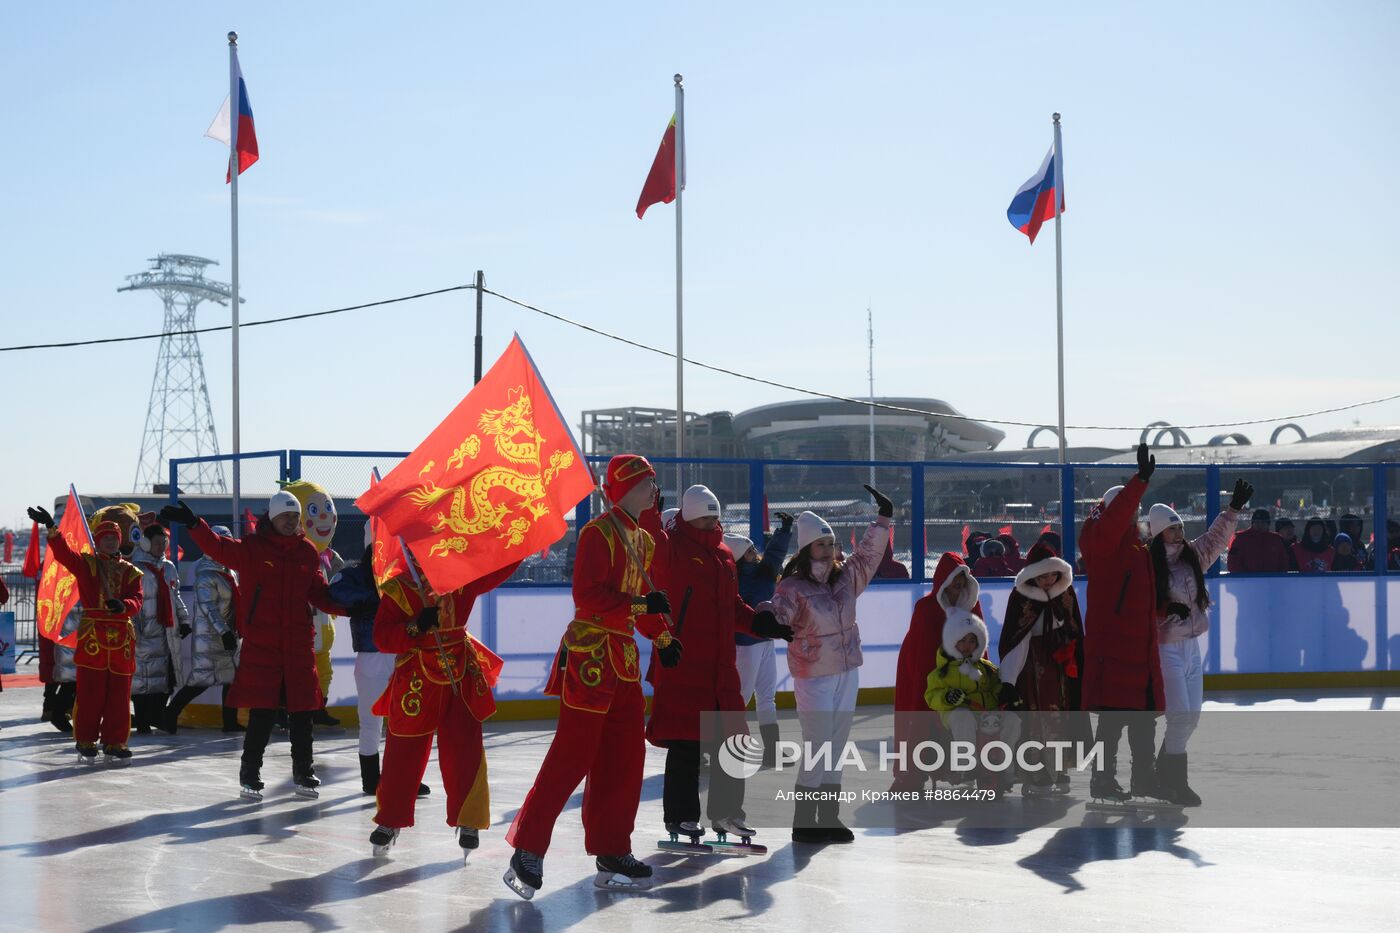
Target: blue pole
(756, 510)
(1213, 506)
(1068, 512)
(1379, 514)
(916, 523)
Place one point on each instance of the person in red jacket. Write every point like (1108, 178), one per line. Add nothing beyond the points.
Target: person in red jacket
(109, 588)
(441, 685)
(698, 575)
(953, 586)
(596, 676)
(1258, 549)
(279, 580)
(994, 561)
(1313, 551)
(1122, 673)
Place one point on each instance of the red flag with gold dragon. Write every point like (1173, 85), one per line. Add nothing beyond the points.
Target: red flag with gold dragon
(492, 483)
(58, 588)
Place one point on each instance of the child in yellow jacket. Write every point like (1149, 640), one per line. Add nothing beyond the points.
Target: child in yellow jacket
(963, 685)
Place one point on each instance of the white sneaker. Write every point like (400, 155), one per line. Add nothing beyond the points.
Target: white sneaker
(733, 826)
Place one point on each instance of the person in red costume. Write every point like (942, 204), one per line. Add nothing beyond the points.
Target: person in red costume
(441, 686)
(953, 586)
(700, 580)
(109, 588)
(596, 676)
(279, 580)
(1122, 673)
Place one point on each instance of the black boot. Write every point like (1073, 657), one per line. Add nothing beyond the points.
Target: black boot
(805, 827)
(829, 815)
(1171, 780)
(170, 720)
(369, 773)
(769, 731)
(323, 718)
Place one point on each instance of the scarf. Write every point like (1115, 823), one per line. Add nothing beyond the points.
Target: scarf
(165, 606)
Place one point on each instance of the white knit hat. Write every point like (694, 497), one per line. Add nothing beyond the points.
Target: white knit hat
(812, 527)
(739, 545)
(282, 502)
(957, 625)
(668, 518)
(698, 502)
(1161, 517)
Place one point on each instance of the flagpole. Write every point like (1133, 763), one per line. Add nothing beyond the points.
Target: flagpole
(235, 102)
(1059, 285)
(680, 326)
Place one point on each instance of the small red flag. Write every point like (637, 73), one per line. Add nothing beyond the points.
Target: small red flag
(9, 546)
(660, 186)
(1046, 530)
(1005, 530)
(965, 532)
(494, 480)
(766, 526)
(31, 554)
(250, 524)
(57, 592)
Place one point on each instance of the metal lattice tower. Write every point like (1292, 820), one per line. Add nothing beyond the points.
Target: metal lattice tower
(179, 417)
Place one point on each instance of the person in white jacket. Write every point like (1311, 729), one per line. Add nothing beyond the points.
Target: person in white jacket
(817, 599)
(164, 620)
(1183, 616)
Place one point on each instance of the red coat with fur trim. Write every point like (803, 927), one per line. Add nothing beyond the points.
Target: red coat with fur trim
(1121, 666)
(918, 652)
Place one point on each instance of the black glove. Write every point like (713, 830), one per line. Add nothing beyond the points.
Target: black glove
(181, 514)
(1146, 463)
(954, 697)
(41, 515)
(114, 605)
(1008, 696)
(428, 620)
(657, 603)
(185, 630)
(1180, 610)
(766, 625)
(882, 502)
(1243, 492)
(785, 519)
(230, 641)
(670, 656)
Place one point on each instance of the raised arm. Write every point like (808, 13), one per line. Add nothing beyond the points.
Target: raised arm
(860, 567)
(227, 551)
(1211, 545)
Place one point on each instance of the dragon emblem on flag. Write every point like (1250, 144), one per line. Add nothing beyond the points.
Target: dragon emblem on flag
(498, 491)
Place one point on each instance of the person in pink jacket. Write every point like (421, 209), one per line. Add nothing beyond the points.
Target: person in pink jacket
(1183, 616)
(816, 598)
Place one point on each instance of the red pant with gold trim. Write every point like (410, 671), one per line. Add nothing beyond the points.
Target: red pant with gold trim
(461, 758)
(103, 707)
(608, 749)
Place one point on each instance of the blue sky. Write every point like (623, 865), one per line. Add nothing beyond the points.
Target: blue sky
(1229, 241)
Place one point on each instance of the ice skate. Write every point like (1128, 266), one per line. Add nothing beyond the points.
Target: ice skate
(525, 874)
(306, 782)
(735, 826)
(622, 873)
(250, 784)
(468, 838)
(692, 845)
(116, 754)
(1062, 784)
(382, 840)
(1037, 788)
(87, 754)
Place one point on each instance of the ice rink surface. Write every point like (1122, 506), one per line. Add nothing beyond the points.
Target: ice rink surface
(166, 844)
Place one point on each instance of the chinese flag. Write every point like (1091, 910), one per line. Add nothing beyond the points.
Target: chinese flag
(58, 590)
(491, 484)
(387, 559)
(31, 554)
(660, 187)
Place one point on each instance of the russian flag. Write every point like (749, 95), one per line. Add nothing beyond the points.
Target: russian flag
(246, 139)
(1035, 201)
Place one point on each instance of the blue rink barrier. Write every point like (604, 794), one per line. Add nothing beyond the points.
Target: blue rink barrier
(1274, 624)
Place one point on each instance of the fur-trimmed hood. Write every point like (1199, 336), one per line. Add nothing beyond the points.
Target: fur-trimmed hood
(961, 622)
(950, 567)
(1025, 580)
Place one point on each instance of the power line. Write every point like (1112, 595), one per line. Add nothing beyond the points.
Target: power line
(223, 327)
(917, 411)
(697, 363)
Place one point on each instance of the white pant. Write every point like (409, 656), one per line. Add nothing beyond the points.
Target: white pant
(372, 672)
(825, 707)
(1183, 679)
(758, 674)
